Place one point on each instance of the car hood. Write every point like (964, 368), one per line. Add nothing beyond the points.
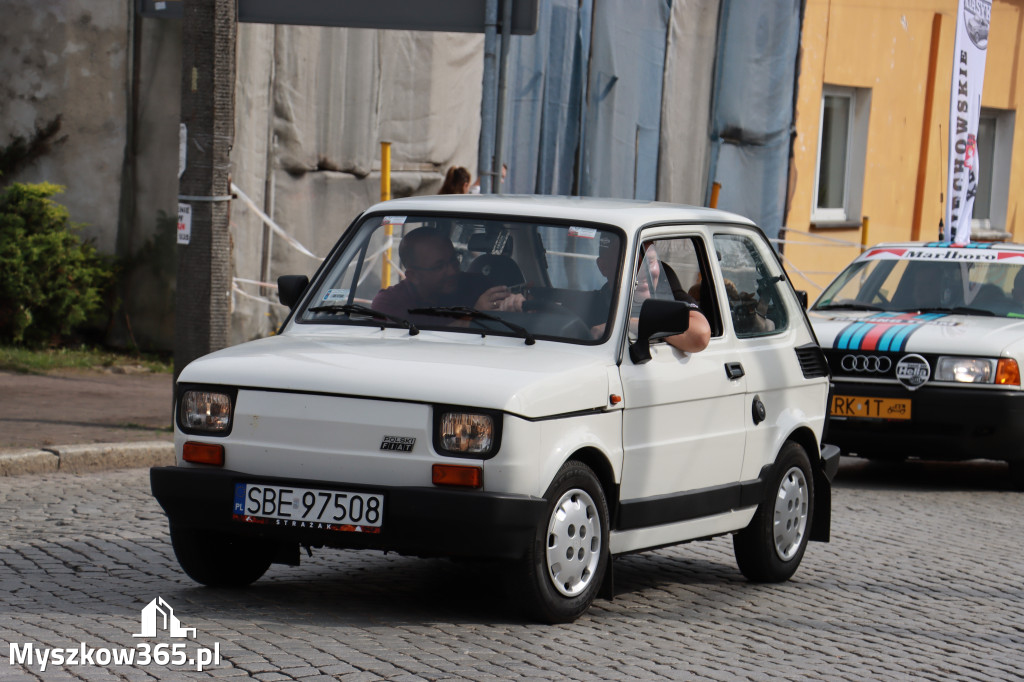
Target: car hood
(499, 373)
(919, 332)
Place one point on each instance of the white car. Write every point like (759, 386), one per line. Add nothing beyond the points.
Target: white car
(925, 342)
(497, 402)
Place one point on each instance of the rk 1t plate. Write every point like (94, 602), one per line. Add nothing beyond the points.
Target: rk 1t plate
(861, 407)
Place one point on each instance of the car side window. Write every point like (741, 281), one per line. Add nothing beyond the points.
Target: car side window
(674, 269)
(755, 302)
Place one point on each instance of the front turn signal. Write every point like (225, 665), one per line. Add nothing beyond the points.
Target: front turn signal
(462, 476)
(1007, 372)
(203, 453)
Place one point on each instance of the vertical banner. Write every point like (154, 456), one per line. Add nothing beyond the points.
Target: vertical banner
(972, 24)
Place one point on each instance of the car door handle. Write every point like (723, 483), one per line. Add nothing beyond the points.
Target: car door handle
(734, 370)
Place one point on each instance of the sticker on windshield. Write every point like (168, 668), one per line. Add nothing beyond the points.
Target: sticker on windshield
(335, 295)
(955, 254)
(393, 220)
(583, 232)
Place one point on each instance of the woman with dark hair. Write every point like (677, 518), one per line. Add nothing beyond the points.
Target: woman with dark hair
(456, 181)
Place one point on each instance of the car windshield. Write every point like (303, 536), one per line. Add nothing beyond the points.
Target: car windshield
(929, 284)
(526, 279)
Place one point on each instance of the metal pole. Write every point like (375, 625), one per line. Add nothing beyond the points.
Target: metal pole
(487, 101)
(499, 128)
(202, 320)
(385, 195)
(926, 124)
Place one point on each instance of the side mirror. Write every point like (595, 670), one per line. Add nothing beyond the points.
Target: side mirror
(801, 295)
(290, 288)
(658, 318)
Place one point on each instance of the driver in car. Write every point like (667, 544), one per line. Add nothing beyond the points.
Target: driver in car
(433, 279)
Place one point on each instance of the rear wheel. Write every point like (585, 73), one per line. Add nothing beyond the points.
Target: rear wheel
(220, 559)
(771, 547)
(565, 564)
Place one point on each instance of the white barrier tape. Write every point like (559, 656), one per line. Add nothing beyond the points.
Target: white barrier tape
(822, 237)
(271, 224)
(807, 279)
(255, 281)
(239, 291)
(827, 246)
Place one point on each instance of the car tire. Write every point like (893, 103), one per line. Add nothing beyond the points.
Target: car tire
(220, 559)
(565, 565)
(770, 548)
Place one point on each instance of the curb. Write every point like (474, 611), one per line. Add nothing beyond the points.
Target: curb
(80, 459)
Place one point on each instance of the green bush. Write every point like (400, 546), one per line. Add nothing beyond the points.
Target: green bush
(50, 281)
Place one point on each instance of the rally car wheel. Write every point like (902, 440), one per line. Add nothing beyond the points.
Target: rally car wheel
(1017, 475)
(566, 563)
(219, 559)
(771, 547)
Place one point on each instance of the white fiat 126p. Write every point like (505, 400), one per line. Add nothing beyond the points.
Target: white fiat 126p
(544, 382)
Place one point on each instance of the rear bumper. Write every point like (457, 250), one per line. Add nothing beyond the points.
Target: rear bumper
(945, 423)
(417, 521)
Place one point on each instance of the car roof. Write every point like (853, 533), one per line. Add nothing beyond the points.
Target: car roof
(628, 214)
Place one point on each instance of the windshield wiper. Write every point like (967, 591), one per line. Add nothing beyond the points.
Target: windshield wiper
(465, 311)
(848, 306)
(958, 310)
(358, 309)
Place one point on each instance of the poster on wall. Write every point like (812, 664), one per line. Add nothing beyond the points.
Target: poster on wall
(969, 50)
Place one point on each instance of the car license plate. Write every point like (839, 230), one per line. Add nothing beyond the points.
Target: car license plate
(308, 508)
(861, 407)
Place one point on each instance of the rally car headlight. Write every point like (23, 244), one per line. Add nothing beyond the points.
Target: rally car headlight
(466, 434)
(205, 412)
(965, 370)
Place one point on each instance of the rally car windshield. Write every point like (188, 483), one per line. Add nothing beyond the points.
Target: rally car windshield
(928, 285)
(514, 278)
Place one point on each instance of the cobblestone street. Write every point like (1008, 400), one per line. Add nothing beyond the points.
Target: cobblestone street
(922, 580)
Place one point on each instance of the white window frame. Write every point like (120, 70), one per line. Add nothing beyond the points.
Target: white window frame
(856, 154)
(999, 167)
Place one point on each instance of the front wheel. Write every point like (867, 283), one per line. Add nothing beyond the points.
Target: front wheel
(219, 559)
(565, 564)
(771, 547)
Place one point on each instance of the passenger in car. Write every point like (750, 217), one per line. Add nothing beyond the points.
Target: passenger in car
(433, 278)
(648, 283)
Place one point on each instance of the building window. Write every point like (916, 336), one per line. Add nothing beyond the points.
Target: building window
(842, 145)
(995, 140)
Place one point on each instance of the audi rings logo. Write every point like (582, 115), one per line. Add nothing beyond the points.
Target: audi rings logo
(870, 364)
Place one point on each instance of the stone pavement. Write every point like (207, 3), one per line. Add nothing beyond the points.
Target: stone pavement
(84, 420)
(922, 581)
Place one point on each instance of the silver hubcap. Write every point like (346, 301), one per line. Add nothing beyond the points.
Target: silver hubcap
(574, 542)
(790, 521)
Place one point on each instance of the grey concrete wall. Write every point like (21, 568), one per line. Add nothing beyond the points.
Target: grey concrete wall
(70, 58)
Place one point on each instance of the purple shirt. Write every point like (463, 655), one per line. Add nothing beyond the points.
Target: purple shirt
(399, 299)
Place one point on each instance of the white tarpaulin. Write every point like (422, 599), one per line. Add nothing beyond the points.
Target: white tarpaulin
(972, 23)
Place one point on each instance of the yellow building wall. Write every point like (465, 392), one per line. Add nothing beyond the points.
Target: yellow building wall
(885, 47)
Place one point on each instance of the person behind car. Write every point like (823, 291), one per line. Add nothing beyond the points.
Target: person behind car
(433, 278)
(456, 181)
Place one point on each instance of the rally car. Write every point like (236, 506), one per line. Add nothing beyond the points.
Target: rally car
(487, 377)
(925, 342)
